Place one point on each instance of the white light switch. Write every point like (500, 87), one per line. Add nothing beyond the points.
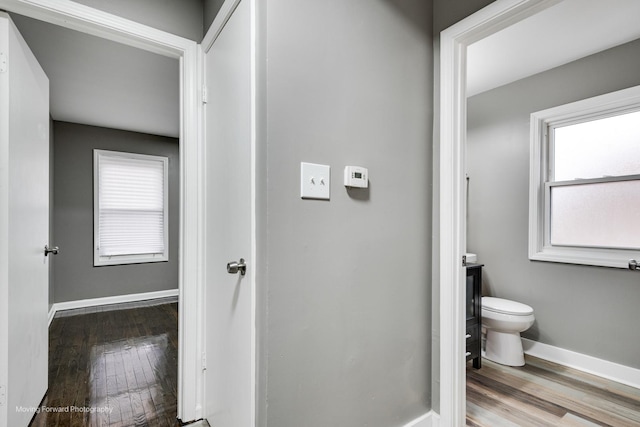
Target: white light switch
(315, 181)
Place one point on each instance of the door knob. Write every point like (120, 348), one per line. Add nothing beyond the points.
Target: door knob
(233, 267)
(47, 250)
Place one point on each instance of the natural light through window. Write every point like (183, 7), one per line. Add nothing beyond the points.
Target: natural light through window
(598, 148)
(599, 207)
(130, 208)
(585, 181)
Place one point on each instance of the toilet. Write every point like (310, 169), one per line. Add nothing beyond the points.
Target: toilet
(504, 320)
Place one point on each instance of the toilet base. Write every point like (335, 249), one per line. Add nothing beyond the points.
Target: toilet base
(504, 348)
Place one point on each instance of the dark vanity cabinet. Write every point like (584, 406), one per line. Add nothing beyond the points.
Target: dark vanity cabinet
(474, 314)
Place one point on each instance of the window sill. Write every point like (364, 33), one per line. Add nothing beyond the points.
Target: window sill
(129, 259)
(586, 256)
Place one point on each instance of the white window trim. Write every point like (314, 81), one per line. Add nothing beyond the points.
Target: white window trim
(99, 260)
(597, 107)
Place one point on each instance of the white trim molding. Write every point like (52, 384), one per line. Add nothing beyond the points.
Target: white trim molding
(452, 139)
(430, 419)
(76, 16)
(52, 314)
(582, 362)
(69, 14)
(255, 90)
(223, 15)
(117, 299)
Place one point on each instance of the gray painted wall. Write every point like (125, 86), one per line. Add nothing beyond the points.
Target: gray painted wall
(448, 12)
(181, 17)
(74, 276)
(445, 14)
(344, 291)
(211, 8)
(590, 310)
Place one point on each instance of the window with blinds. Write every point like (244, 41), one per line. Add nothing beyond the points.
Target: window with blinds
(130, 208)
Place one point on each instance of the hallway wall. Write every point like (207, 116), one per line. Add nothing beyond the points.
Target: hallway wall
(344, 293)
(74, 276)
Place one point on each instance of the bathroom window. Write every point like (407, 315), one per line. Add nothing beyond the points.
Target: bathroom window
(130, 208)
(585, 181)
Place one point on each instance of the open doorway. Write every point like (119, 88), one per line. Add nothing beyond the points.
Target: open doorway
(112, 97)
(114, 215)
(585, 62)
(455, 42)
(106, 26)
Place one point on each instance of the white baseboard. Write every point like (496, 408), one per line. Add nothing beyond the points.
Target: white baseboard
(118, 299)
(582, 362)
(430, 419)
(52, 313)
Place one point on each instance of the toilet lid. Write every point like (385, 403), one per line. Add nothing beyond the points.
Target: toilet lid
(505, 306)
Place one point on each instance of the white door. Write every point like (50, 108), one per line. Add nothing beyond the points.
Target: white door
(229, 385)
(24, 227)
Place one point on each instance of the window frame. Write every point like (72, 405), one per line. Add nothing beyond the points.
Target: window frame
(99, 260)
(541, 170)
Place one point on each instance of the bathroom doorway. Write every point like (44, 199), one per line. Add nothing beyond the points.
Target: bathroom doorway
(453, 167)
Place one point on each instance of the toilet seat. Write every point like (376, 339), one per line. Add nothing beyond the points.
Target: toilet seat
(504, 306)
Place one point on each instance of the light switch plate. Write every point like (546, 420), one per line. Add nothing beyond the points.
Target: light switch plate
(315, 181)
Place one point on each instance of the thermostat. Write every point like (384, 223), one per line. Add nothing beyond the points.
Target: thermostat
(356, 176)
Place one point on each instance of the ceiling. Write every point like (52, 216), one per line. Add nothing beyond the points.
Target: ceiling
(98, 82)
(102, 83)
(565, 32)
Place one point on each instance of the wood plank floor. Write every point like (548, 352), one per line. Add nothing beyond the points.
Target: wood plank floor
(113, 368)
(542, 393)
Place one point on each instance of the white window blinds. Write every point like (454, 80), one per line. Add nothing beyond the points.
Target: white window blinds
(131, 204)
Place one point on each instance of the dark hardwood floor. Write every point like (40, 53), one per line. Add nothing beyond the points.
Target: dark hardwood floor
(113, 368)
(543, 393)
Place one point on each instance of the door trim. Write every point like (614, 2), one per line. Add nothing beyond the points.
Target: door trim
(101, 24)
(221, 19)
(452, 161)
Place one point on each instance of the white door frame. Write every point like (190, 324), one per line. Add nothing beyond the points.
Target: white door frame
(72, 15)
(453, 133)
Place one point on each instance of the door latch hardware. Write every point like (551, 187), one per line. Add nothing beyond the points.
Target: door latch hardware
(233, 267)
(54, 250)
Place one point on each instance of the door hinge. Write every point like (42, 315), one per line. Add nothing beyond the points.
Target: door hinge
(3, 395)
(204, 94)
(464, 260)
(3, 62)
(204, 361)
